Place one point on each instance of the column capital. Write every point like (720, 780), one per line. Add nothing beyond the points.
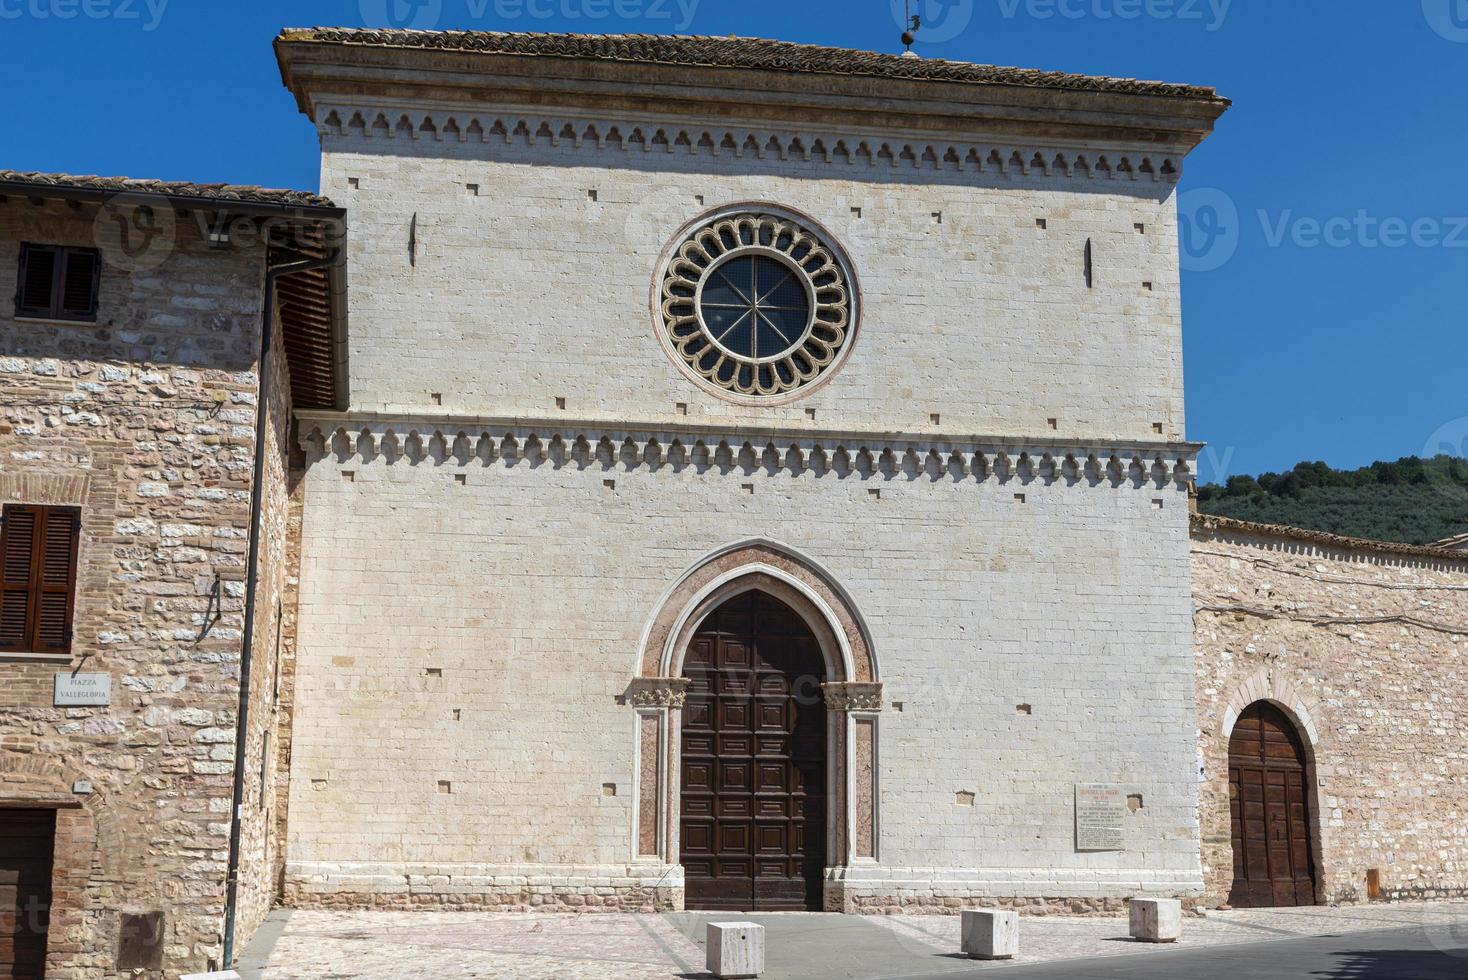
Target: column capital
(657, 692)
(853, 696)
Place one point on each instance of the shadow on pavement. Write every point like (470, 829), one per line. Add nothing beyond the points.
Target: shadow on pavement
(1396, 964)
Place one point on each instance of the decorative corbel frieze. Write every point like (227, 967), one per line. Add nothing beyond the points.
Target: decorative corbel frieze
(481, 443)
(360, 122)
(853, 696)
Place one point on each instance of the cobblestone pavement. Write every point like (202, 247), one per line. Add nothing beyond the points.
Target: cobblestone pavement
(393, 945)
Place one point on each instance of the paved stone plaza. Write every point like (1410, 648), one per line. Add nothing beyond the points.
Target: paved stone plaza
(396, 945)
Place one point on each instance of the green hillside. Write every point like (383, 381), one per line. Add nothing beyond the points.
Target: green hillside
(1414, 500)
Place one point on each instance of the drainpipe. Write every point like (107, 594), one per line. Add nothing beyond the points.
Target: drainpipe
(252, 575)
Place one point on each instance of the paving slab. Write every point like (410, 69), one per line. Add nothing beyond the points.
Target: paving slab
(601, 946)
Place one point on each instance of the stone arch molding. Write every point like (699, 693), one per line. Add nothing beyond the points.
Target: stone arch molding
(1269, 685)
(789, 575)
(37, 781)
(853, 695)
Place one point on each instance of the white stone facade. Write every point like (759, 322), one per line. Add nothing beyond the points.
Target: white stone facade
(993, 487)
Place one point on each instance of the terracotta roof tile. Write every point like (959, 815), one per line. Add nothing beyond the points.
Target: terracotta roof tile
(1210, 523)
(128, 185)
(739, 52)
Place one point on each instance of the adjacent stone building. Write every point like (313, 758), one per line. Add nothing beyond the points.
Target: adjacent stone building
(131, 466)
(1357, 651)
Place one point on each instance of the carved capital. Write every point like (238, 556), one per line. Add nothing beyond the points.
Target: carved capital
(853, 696)
(657, 692)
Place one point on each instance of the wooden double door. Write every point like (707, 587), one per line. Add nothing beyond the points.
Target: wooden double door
(753, 787)
(1269, 807)
(26, 841)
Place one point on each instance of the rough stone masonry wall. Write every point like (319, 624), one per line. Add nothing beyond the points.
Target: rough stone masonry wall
(1369, 649)
(145, 420)
(260, 836)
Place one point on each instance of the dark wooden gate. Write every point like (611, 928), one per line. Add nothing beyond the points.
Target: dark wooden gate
(1269, 804)
(26, 841)
(753, 821)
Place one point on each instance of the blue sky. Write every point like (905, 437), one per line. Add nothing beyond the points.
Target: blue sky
(1326, 221)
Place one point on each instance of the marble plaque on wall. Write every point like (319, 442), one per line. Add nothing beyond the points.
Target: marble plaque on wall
(1100, 808)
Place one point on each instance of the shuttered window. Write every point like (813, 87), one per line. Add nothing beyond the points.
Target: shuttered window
(58, 282)
(38, 547)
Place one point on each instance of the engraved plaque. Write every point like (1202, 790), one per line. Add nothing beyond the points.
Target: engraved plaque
(83, 690)
(1100, 808)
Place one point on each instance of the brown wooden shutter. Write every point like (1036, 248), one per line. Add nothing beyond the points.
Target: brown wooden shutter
(56, 581)
(37, 280)
(38, 588)
(79, 285)
(18, 542)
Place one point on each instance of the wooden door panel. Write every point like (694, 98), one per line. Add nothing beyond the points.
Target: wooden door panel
(1269, 812)
(26, 843)
(698, 774)
(698, 712)
(734, 777)
(761, 737)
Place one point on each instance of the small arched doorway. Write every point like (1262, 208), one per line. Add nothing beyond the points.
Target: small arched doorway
(1269, 810)
(752, 827)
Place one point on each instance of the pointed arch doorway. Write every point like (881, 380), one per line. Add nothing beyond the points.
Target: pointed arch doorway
(753, 749)
(1269, 810)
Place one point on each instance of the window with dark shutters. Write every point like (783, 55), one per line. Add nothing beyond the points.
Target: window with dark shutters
(58, 282)
(38, 553)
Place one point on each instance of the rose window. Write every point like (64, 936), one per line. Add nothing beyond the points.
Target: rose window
(756, 304)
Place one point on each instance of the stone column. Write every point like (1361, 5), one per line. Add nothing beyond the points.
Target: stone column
(856, 707)
(658, 702)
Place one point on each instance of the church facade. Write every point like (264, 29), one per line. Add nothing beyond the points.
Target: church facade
(764, 483)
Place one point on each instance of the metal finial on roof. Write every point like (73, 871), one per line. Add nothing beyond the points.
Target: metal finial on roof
(913, 23)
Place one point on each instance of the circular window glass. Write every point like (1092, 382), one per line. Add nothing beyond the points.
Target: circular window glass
(756, 304)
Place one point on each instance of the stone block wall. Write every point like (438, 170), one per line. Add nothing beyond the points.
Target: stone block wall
(145, 421)
(469, 629)
(495, 276)
(469, 620)
(1366, 647)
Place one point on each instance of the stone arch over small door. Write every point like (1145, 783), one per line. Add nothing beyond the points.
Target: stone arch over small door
(87, 842)
(1271, 743)
(853, 694)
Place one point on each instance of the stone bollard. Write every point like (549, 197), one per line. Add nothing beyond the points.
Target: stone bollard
(1156, 920)
(735, 949)
(990, 934)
